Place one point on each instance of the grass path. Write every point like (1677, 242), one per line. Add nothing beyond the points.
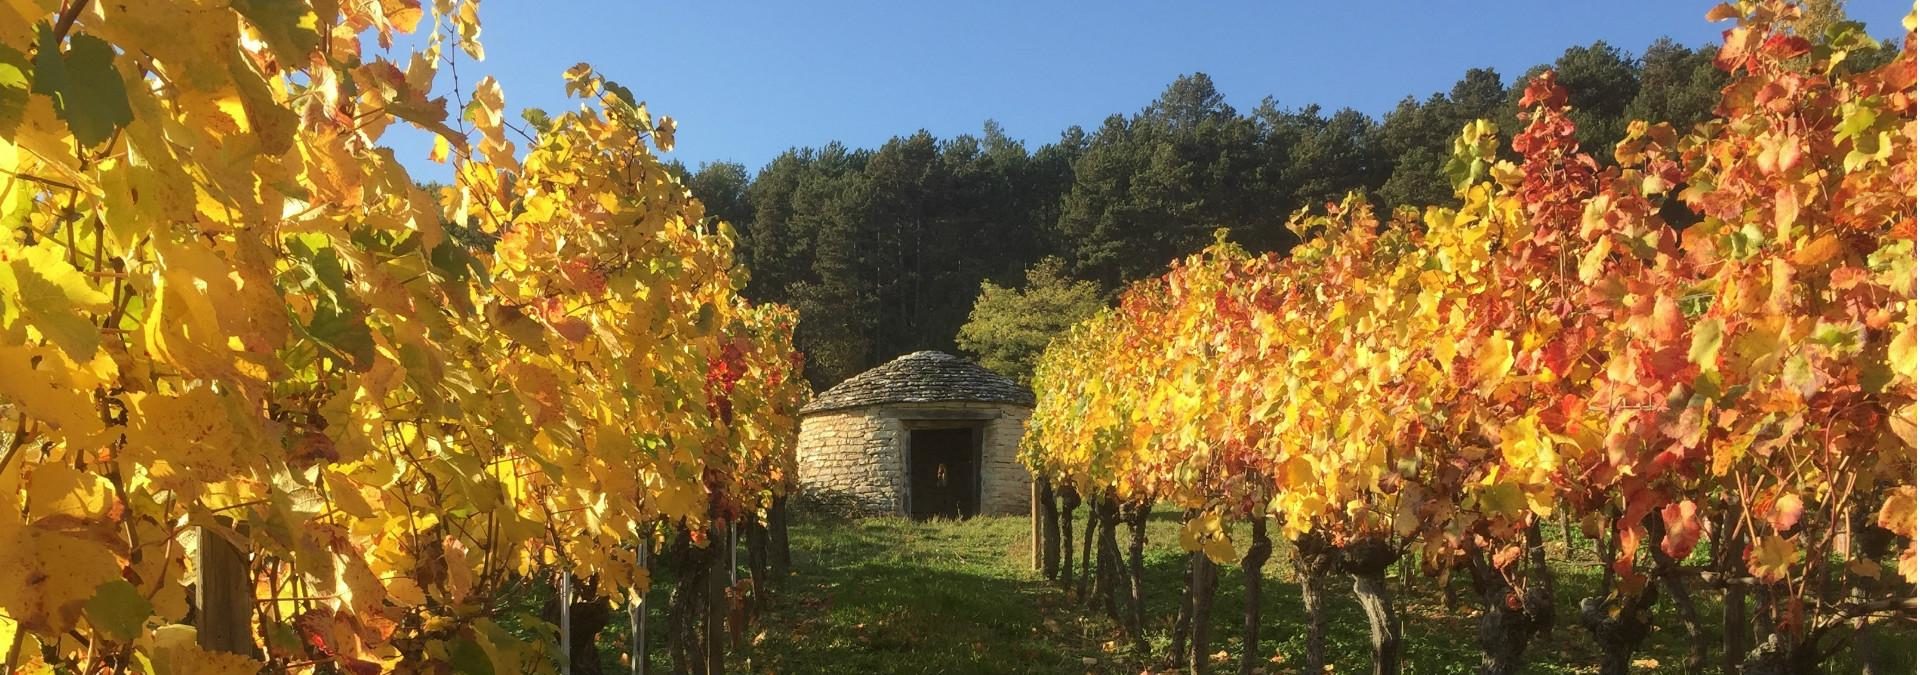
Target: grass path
(889, 595)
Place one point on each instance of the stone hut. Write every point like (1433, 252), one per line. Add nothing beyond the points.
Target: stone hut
(928, 434)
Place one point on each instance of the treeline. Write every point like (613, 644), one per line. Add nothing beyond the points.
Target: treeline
(882, 251)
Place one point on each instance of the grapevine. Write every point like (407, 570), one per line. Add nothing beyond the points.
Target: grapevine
(1703, 343)
(230, 320)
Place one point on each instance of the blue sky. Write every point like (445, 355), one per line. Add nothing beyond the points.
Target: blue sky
(748, 79)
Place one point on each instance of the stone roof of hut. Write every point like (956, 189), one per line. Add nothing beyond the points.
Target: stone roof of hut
(922, 377)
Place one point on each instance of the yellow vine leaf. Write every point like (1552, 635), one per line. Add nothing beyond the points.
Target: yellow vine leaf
(1896, 512)
(53, 297)
(1900, 352)
(9, 632)
(347, 497)
(1772, 558)
(50, 576)
(189, 437)
(58, 493)
(1206, 535)
(1494, 362)
(1524, 446)
(46, 385)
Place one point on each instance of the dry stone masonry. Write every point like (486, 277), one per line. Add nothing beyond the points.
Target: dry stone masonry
(856, 438)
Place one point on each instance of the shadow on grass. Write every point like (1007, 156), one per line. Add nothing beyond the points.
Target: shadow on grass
(888, 595)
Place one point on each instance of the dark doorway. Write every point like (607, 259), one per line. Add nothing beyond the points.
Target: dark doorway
(945, 476)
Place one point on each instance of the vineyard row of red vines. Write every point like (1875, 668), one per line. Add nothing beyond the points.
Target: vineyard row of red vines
(1700, 348)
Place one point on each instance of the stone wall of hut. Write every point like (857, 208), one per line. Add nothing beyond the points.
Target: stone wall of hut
(859, 455)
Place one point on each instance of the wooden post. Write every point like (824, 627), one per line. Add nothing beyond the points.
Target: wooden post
(716, 599)
(637, 619)
(1033, 520)
(1843, 541)
(1566, 534)
(566, 623)
(733, 554)
(782, 556)
(224, 595)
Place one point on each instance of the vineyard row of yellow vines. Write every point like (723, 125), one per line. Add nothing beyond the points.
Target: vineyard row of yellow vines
(237, 337)
(1702, 348)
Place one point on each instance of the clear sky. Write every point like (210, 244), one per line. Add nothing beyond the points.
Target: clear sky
(747, 79)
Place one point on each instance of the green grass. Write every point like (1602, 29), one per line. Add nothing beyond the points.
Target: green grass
(889, 595)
